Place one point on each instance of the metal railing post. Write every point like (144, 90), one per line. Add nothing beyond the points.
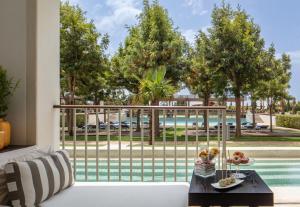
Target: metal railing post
(219, 144)
(164, 145)
(108, 145)
(130, 156)
(85, 145)
(186, 145)
(153, 142)
(142, 144)
(74, 142)
(224, 165)
(180, 154)
(63, 123)
(120, 145)
(97, 145)
(197, 136)
(207, 128)
(175, 145)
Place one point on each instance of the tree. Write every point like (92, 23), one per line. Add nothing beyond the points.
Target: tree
(94, 84)
(275, 87)
(236, 50)
(254, 98)
(201, 79)
(151, 44)
(255, 88)
(295, 106)
(79, 52)
(153, 87)
(288, 107)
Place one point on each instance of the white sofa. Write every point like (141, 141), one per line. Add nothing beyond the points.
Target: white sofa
(121, 195)
(112, 194)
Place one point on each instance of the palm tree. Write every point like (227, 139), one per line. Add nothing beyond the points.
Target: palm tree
(154, 87)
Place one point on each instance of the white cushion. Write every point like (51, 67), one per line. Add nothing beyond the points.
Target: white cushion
(24, 154)
(122, 195)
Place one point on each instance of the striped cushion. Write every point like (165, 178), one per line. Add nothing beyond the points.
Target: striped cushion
(32, 182)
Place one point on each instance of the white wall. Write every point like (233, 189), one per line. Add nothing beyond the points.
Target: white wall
(47, 92)
(29, 50)
(13, 58)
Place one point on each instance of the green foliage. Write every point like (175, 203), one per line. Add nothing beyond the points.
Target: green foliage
(154, 87)
(275, 86)
(7, 88)
(80, 120)
(236, 47)
(289, 121)
(151, 44)
(201, 78)
(295, 107)
(84, 64)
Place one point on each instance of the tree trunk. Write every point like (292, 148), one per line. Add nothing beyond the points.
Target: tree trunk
(205, 115)
(70, 116)
(104, 115)
(271, 112)
(294, 106)
(138, 120)
(71, 101)
(238, 115)
(153, 130)
(282, 106)
(253, 108)
(243, 106)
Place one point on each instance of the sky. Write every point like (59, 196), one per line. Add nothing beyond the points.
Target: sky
(278, 20)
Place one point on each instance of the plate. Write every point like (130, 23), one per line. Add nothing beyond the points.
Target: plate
(205, 176)
(251, 162)
(237, 182)
(239, 175)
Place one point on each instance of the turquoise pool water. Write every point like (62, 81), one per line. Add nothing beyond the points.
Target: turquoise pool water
(274, 172)
(180, 120)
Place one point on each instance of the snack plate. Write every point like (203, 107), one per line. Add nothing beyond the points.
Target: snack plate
(205, 176)
(239, 175)
(237, 182)
(251, 162)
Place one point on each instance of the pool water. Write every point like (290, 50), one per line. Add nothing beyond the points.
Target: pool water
(181, 120)
(275, 172)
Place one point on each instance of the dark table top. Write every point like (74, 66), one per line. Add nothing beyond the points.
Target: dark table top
(252, 192)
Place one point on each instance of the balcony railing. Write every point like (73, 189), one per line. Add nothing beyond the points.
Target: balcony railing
(106, 143)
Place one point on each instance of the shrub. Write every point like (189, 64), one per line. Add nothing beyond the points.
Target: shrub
(79, 120)
(289, 121)
(7, 88)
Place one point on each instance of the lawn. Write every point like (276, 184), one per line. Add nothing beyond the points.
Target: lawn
(181, 138)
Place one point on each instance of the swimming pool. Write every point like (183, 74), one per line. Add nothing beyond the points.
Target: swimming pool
(180, 120)
(275, 172)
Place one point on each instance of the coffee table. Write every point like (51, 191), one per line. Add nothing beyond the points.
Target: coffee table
(252, 192)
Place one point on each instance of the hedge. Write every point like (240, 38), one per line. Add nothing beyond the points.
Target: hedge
(79, 120)
(289, 121)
